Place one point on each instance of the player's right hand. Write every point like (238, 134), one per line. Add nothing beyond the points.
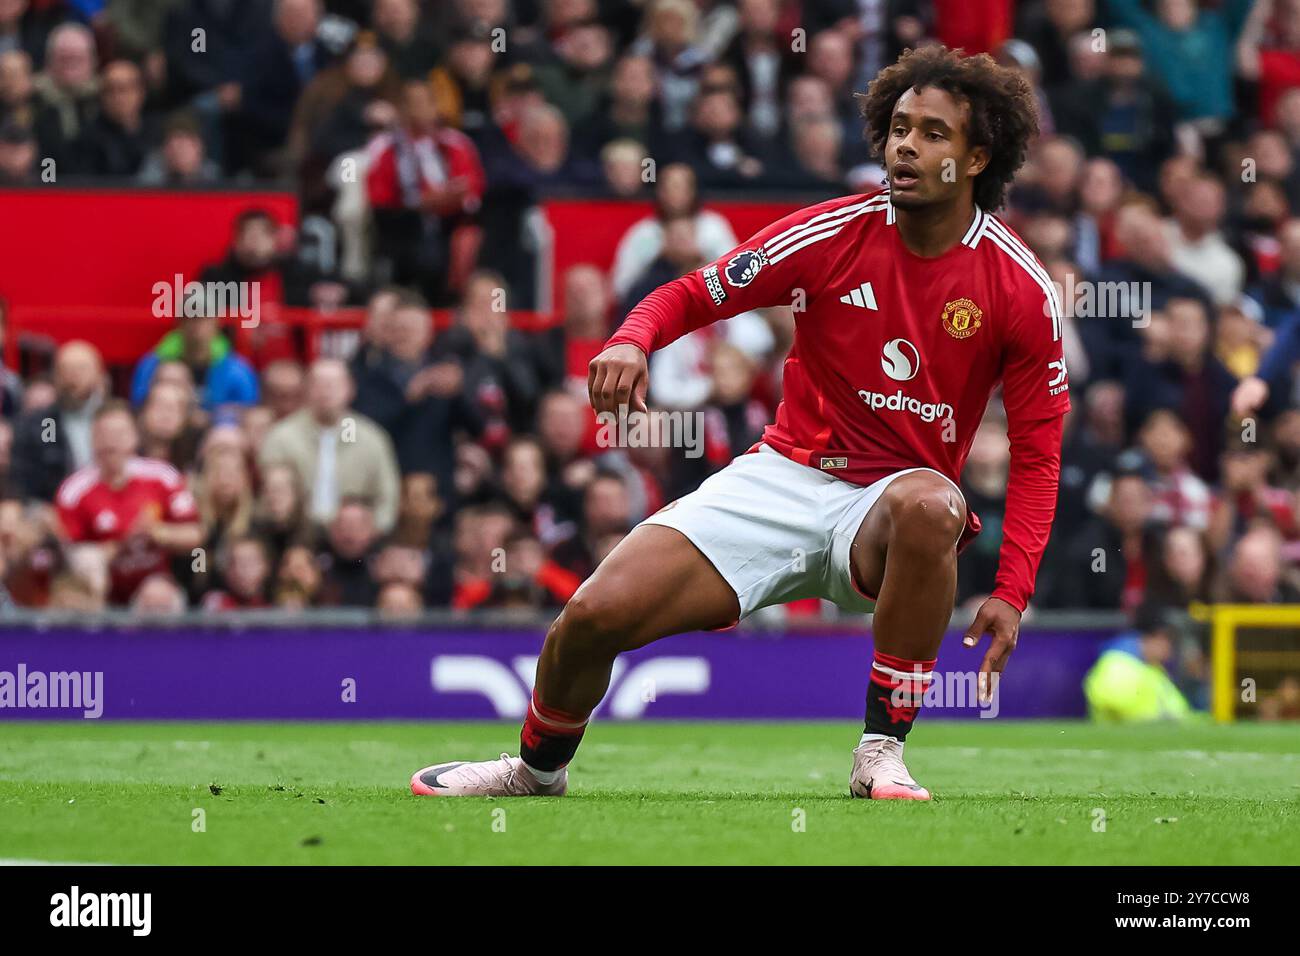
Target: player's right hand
(1002, 620)
(1249, 396)
(618, 376)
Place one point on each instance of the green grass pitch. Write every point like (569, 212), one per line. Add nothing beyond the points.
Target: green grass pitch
(649, 793)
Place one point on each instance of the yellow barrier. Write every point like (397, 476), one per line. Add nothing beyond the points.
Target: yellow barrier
(1224, 620)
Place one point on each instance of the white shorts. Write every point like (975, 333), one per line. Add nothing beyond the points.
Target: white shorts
(777, 530)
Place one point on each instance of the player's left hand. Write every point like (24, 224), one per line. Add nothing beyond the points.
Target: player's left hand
(1000, 619)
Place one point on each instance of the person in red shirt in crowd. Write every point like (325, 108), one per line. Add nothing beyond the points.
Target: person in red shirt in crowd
(976, 26)
(528, 579)
(579, 332)
(1268, 53)
(1247, 497)
(912, 305)
(425, 182)
(139, 509)
(478, 543)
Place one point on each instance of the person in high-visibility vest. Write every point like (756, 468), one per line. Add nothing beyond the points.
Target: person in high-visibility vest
(1129, 683)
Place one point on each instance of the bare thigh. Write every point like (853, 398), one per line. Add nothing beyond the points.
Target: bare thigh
(653, 584)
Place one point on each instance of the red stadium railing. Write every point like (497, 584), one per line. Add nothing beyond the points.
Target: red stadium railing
(81, 262)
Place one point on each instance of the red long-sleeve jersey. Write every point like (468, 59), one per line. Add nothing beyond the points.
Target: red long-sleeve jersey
(895, 356)
(443, 155)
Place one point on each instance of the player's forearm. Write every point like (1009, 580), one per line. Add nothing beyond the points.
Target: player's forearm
(1031, 505)
(662, 317)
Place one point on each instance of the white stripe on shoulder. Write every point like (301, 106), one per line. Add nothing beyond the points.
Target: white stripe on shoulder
(1027, 254)
(997, 225)
(1048, 292)
(825, 220)
(819, 218)
(76, 485)
(976, 226)
(152, 468)
(818, 233)
(1020, 253)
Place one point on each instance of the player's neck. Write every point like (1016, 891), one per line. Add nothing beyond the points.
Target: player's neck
(931, 231)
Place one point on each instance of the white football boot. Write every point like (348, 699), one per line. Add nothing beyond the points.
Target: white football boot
(879, 772)
(505, 777)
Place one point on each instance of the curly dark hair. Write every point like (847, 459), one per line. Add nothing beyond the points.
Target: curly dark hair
(1003, 111)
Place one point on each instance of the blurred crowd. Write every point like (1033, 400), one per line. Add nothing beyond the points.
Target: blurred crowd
(435, 465)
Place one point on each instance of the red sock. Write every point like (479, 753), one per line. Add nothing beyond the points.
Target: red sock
(550, 737)
(894, 693)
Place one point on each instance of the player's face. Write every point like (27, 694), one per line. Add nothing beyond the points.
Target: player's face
(927, 156)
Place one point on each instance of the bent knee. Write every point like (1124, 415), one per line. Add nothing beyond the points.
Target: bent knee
(593, 619)
(926, 510)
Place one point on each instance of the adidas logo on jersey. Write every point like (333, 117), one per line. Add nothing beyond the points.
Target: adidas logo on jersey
(862, 297)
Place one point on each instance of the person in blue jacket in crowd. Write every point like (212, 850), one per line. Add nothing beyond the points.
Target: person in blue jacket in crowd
(221, 377)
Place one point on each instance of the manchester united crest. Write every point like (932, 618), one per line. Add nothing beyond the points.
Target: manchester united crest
(962, 318)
